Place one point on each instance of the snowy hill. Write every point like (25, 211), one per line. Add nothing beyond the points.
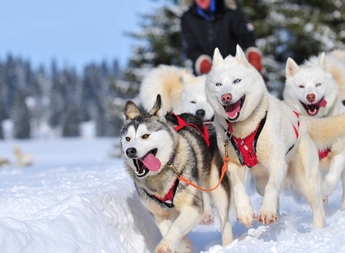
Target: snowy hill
(78, 198)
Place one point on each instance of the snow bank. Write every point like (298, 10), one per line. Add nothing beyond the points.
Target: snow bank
(77, 198)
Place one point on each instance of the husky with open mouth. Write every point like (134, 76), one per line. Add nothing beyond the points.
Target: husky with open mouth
(169, 157)
(266, 137)
(315, 89)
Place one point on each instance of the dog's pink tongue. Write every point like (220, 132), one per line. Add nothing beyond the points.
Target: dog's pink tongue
(151, 162)
(232, 110)
(322, 103)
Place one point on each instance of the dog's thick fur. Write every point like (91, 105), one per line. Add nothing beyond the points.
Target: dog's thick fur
(152, 134)
(316, 89)
(286, 147)
(180, 91)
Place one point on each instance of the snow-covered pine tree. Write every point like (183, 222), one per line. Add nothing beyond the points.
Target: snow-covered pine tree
(71, 117)
(20, 116)
(2, 99)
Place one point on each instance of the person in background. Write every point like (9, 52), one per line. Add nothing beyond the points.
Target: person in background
(208, 24)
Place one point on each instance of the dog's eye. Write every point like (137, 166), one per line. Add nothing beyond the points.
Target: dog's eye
(193, 102)
(301, 86)
(145, 136)
(318, 85)
(237, 80)
(218, 84)
(128, 139)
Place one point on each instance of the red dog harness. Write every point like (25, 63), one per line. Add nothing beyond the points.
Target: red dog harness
(167, 201)
(182, 124)
(246, 147)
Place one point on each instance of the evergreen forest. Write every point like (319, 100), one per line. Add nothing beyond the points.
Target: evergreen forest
(53, 100)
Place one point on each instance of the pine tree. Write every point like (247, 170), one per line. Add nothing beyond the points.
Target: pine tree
(2, 99)
(55, 97)
(39, 90)
(20, 116)
(161, 43)
(71, 116)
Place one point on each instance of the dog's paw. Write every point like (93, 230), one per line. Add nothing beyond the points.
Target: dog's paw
(163, 247)
(267, 217)
(246, 217)
(184, 246)
(207, 218)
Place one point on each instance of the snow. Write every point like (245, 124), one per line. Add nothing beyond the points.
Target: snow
(77, 197)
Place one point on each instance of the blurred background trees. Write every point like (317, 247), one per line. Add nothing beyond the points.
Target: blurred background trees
(53, 101)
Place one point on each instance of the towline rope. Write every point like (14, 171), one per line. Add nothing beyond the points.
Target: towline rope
(226, 160)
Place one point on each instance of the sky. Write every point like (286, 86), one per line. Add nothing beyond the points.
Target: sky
(73, 32)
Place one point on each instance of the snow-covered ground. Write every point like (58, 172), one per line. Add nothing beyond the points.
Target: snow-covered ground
(78, 198)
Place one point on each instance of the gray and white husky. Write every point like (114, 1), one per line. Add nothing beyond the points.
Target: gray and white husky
(160, 150)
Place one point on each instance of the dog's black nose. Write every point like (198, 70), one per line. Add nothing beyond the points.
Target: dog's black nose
(200, 113)
(131, 152)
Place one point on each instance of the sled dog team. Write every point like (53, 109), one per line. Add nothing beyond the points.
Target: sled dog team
(182, 165)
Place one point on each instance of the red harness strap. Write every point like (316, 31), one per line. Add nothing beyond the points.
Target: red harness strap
(246, 147)
(294, 128)
(182, 124)
(324, 153)
(167, 201)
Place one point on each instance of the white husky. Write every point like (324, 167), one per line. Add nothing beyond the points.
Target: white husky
(180, 91)
(267, 137)
(313, 89)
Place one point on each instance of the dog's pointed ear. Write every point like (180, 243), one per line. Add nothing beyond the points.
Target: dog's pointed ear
(157, 106)
(131, 110)
(291, 67)
(240, 56)
(187, 77)
(322, 61)
(217, 57)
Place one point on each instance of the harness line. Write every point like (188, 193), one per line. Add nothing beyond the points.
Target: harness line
(226, 160)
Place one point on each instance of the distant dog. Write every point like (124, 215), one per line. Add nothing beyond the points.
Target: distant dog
(180, 91)
(4, 163)
(22, 159)
(267, 137)
(157, 152)
(313, 89)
